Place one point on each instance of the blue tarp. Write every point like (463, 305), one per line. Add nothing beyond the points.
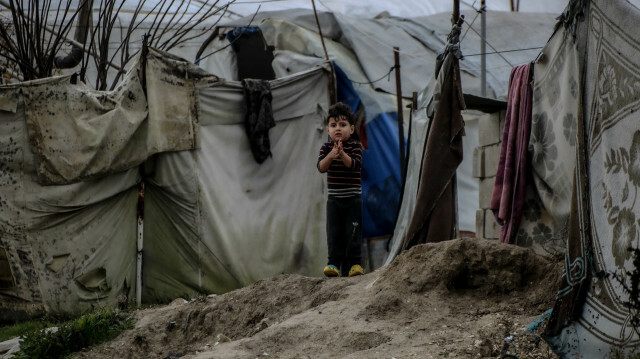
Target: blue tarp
(346, 93)
(381, 182)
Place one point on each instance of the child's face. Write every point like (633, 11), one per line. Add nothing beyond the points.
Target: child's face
(339, 129)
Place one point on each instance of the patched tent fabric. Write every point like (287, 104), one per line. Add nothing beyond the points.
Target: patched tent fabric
(608, 219)
(69, 247)
(215, 219)
(78, 133)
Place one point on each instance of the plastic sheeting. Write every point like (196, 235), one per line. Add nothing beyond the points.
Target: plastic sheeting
(55, 234)
(417, 139)
(214, 219)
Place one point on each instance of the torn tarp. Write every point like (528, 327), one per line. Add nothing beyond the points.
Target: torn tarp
(78, 133)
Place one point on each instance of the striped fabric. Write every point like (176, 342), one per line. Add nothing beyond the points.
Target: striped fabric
(343, 181)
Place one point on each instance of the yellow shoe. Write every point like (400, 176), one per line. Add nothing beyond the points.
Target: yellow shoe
(331, 271)
(355, 270)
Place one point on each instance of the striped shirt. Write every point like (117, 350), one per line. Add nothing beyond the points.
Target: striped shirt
(341, 180)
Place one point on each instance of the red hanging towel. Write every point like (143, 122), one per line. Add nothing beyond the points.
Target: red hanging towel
(510, 186)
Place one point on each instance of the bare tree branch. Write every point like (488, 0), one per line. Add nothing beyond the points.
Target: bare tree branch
(40, 30)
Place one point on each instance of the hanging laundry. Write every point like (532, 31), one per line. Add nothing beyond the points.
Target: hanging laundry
(508, 198)
(434, 216)
(258, 117)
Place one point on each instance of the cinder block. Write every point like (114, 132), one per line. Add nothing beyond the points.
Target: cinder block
(480, 223)
(485, 191)
(491, 158)
(491, 227)
(476, 171)
(489, 129)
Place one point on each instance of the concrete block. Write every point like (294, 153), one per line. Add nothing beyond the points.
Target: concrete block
(485, 191)
(480, 223)
(477, 163)
(489, 129)
(491, 227)
(491, 158)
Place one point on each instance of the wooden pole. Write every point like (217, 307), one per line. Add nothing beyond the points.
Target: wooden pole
(396, 58)
(326, 54)
(456, 12)
(483, 48)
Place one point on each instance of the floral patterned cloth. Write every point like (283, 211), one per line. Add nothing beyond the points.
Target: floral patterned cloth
(605, 320)
(552, 148)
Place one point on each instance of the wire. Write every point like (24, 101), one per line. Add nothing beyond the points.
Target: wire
(501, 52)
(478, 12)
(387, 75)
(491, 46)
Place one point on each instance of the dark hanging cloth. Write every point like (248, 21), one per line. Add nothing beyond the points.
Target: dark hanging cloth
(434, 215)
(258, 117)
(508, 198)
(253, 55)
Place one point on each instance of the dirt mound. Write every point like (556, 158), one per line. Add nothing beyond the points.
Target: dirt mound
(459, 298)
(482, 269)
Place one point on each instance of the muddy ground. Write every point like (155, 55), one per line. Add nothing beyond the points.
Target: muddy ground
(465, 298)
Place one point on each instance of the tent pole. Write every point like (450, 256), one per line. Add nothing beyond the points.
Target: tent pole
(139, 245)
(396, 58)
(326, 54)
(483, 47)
(456, 12)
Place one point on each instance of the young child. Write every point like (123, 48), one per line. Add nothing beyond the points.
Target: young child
(342, 158)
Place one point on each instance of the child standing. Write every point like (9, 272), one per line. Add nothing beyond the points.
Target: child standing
(342, 158)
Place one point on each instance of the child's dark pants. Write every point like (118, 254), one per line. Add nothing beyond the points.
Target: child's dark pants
(344, 231)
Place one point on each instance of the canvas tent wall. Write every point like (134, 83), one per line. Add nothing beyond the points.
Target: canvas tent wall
(214, 219)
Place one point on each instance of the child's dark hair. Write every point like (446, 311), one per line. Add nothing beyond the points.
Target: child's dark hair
(339, 110)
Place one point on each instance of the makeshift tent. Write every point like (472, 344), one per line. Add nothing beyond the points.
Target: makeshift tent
(596, 310)
(214, 219)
